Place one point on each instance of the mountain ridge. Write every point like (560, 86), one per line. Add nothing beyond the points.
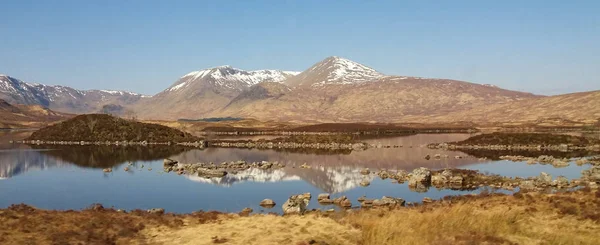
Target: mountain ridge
(62, 98)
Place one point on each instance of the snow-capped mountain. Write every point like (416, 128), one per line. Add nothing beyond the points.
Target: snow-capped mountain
(200, 92)
(335, 70)
(228, 77)
(62, 98)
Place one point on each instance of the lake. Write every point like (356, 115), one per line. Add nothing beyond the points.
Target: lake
(72, 177)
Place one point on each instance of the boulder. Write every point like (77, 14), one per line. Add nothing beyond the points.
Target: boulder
(346, 203)
(169, 162)
(561, 181)
(323, 196)
(267, 203)
(420, 176)
(325, 201)
(527, 185)
(401, 175)
(457, 179)
(544, 179)
(247, 211)
(365, 183)
(427, 200)
(389, 201)
(296, 204)
(383, 174)
(339, 199)
(365, 171)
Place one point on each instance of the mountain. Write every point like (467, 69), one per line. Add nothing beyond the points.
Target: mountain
(198, 93)
(334, 70)
(61, 98)
(340, 90)
(24, 116)
(581, 107)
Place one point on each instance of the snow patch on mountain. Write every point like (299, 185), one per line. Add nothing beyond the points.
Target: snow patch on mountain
(344, 71)
(232, 78)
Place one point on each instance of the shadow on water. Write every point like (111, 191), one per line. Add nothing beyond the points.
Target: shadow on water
(109, 156)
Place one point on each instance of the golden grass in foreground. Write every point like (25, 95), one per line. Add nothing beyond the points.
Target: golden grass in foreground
(566, 218)
(571, 218)
(469, 224)
(259, 229)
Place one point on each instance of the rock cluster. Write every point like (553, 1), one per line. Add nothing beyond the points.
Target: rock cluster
(291, 145)
(560, 147)
(216, 170)
(296, 204)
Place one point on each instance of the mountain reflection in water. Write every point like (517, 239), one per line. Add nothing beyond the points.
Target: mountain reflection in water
(72, 176)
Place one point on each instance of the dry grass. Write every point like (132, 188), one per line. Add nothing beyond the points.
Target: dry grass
(530, 218)
(259, 229)
(554, 219)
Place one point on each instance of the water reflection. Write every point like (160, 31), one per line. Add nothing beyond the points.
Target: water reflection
(109, 156)
(72, 177)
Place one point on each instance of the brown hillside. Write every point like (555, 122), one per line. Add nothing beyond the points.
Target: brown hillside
(100, 127)
(578, 107)
(27, 116)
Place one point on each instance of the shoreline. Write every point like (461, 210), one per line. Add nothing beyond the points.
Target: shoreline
(486, 217)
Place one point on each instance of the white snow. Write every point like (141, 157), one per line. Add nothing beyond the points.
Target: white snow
(344, 71)
(232, 78)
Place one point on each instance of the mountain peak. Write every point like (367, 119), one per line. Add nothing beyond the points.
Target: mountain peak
(335, 70)
(231, 78)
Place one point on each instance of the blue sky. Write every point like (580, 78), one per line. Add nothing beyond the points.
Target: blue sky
(545, 47)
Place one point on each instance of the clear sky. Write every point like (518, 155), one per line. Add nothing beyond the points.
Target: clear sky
(545, 47)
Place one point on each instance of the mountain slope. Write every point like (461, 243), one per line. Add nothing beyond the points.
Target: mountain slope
(339, 90)
(61, 98)
(24, 116)
(578, 107)
(198, 93)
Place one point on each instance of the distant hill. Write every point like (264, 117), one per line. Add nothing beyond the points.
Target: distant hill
(62, 98)
(581, 107)
(27, 116)
(101, 127)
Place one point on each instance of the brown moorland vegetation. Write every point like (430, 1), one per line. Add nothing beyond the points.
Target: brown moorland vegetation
(101, 127)
(526, 139)
(523, 218)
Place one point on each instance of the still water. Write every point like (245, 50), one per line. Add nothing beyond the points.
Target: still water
(72, 177)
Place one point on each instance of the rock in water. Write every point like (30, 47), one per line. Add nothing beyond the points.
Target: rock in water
(268, 203)
(420, 176)
(247, 211)
(389, 201)
(323, 196)
(365, 183)
(365, 171)
(544, 179)
(169, 162)
(296, 204)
